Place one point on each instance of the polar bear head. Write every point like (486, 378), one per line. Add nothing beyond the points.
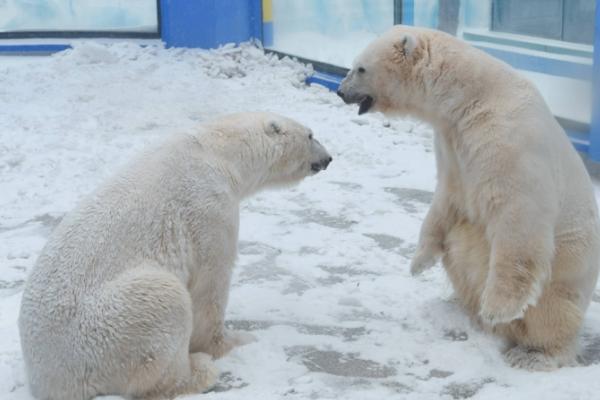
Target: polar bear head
(388, 75)
(266, 149)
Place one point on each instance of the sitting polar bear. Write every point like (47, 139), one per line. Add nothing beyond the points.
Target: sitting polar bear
(128, 296)
(513, 215)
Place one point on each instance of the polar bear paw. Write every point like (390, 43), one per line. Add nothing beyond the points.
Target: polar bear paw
(536, 360)
(224, 343)
(500, 307)
(204, 373)
(422, 260)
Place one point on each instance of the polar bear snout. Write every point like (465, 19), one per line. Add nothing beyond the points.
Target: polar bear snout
(364, 101)
(321, 165)
(320, 157)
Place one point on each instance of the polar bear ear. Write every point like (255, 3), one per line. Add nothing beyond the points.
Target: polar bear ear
(274, 128)
(405, 46)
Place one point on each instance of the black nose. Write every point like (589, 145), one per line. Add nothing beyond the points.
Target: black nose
(340, 93)
(321, 165)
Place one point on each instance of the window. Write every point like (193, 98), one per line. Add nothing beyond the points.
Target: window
(567, 20)
(330, 31)
(34, 17)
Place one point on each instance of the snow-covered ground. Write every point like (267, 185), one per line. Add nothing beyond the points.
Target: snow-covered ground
(322, 279)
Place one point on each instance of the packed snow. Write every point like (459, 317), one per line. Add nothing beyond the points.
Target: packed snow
(322, 279)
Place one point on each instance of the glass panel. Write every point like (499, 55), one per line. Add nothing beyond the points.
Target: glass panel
(331, 31)
(579, 21)
(335, 31)
(448, 16)
(476, 15)
(541, 18)
(78, 15)
(425, 13)
(485, 23)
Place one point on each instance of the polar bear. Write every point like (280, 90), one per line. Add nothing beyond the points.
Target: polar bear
(513, 216)
(129, 294)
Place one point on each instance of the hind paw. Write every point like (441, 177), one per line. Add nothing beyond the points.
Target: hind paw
(536, 360)
(204, 373)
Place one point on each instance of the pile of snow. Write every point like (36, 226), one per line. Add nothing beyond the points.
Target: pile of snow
(322, 278)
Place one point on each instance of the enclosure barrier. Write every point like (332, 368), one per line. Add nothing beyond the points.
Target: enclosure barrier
(211, 23)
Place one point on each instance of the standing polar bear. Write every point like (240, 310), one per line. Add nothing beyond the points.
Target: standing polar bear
(128, 296)
(513, 216)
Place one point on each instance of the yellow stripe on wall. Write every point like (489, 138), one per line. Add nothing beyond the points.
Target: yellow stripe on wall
(267, 10)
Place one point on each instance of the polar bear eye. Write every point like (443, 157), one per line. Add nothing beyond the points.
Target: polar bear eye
(310, 136)
(361, 70)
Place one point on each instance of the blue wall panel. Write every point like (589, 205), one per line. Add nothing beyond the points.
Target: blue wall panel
(544, 65)
(594, 152)
(408, 12)
(32, 49)
(209, 23)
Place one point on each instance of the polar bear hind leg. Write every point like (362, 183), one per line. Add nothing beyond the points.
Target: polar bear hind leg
(142, 323)
(546, 337)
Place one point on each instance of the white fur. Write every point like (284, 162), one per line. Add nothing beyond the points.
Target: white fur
(514, 213)
(128, 296)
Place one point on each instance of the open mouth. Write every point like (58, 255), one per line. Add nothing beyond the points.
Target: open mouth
(365, 105)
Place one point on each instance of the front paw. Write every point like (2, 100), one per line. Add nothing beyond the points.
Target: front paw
(423, 259)
(501, 306)
(239, 338)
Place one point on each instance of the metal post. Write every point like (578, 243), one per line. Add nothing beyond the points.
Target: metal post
(594, 152)
(397, 12)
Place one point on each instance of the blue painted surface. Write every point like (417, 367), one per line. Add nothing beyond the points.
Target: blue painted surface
(32, 48)
(267, 34)
(330, 81)
(209, 23)
(544, 65)
(255, 19)
(408, 12)
(594, 153)
(580, 140)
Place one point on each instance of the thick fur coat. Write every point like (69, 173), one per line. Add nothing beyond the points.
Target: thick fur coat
(128, 296)
(513, 216)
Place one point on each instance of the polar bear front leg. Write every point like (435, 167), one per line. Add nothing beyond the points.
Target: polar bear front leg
(439, 219)
(217, 340)
(522, 248)
(209, 334)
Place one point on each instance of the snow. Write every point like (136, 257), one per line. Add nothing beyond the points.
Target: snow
(322, 279)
